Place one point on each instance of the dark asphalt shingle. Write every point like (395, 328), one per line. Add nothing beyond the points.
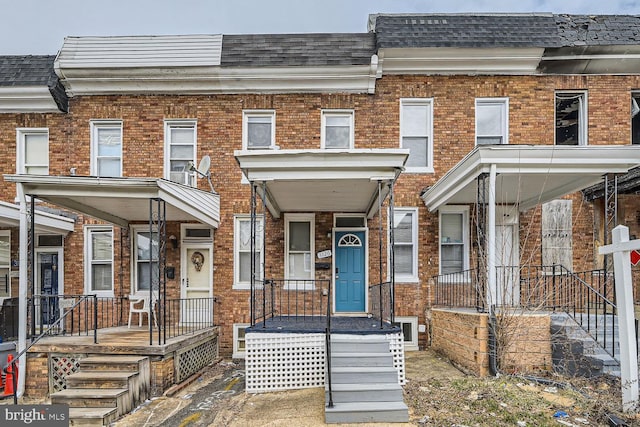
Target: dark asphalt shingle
(598, 30)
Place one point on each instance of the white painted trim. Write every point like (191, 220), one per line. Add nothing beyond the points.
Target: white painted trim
(427, 102)
(366, 269)
(179, 123)
(237, 284)
(36, 99)
(504, 125)
(60, 252)
(134, 230)
(337, 215)
(94, 126)
(414, 278)
(184, 260)
(466, 248)
(246, 114)
(413, 321)
(300, 217)
(7, 233)
(45, 221)
(21, 134)
(237, 354)
(88, 230)
(350, 114)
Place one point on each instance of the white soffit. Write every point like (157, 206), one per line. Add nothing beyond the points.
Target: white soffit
(123, 200)
(528, 175)
(322, 180)
(45, 222)
(439, 60)
(27, 99)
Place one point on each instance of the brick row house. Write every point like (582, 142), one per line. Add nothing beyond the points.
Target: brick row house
(426, 174)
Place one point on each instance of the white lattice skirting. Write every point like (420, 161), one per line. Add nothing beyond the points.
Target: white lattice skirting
(275, 362)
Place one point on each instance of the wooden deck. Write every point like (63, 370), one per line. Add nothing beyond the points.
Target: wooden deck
(122, 340)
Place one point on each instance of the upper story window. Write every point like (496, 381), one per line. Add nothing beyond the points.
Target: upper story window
(416, 133)
(571, 118)
(454, 239)
(337, 129)
(106, 148)
(492, 121)
(33, 151)
(258, 129)
(299, 246)
(99, 259)
(635, 118)
(242, 251)
(180, 150)
(405, 244)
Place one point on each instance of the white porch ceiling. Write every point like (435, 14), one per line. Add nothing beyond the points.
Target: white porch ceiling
(528, 175)
(123, 200)
(322, 180)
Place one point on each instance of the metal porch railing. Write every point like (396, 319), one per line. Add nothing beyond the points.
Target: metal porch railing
(293, 299)
(381, 302)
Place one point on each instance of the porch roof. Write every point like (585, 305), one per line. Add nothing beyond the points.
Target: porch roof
(45, 222)
(322, 180)
(528, 175)
(121, 201)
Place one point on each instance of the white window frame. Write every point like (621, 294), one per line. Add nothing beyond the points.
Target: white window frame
(88, 230)
(635, 108)
(426, 102)
(246, 114)
(7, 233)
(168, 126)
(583, 131)
(413, 321)
(21, 141)
(504, 125)
(95, 125)
(337, 113)
(408, 278)
(299, 217)
(237, 219)
(337, 216)
(460, 210)
(135, 229)
(237, 353)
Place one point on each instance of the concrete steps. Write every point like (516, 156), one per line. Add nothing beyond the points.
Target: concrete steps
(365, 386)
(104, 389)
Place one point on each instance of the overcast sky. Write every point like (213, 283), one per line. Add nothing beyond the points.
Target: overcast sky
(39, 26)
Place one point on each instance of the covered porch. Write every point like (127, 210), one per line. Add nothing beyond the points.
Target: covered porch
(143, 209)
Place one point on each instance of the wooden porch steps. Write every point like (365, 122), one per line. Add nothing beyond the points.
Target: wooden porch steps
(105, 388)
(365, 386)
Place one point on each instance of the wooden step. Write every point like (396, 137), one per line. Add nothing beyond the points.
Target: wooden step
(101, 379)
(92, 416)
(111, 363)
(95, 398)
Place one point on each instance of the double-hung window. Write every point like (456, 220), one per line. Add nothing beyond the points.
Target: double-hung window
(99, 260)
(337, 129)
(492, 121)
(405, 248)
(416, 133)
(242, 252)
(106, 148)
(454, 239)
(5, 264)
(571, 118)
(145, 259)
(33, 151)
(180, 150)
(258, 129)
(635, 118)
(299, 246)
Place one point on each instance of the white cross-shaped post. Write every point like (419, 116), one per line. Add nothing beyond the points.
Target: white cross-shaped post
(621, 248)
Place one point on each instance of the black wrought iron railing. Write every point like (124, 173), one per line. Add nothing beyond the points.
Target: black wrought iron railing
(293, 299)
(81, 314)
(186, 316)
(381, 302)
(462, 289)
(327, 351)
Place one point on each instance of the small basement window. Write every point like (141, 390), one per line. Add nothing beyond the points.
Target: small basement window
(239, 348)
(409, 327)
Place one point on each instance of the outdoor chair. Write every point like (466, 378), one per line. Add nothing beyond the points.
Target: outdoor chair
(140, 305)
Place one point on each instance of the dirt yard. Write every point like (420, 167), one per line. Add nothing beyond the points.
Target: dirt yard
(437, 394)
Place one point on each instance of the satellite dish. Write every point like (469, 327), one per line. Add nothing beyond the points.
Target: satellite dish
(203, 167)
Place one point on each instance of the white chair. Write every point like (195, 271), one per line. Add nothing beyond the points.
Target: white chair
(140, 305)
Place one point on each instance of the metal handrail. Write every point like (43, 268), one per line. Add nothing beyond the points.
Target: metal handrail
(328, 349)
(380, 300)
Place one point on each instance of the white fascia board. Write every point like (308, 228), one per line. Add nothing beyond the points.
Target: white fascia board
(27, 99)
(460, 60)
(209, 80)
(45, 221)
(318, 158)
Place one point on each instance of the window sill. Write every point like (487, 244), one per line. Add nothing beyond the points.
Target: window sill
(407, 280)
(419, 170)
(244, 286)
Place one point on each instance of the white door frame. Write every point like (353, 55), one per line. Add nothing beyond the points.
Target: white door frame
(333, 270)
(36, 268)
(184, 264)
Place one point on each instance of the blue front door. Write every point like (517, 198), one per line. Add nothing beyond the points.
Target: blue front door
(350, 271)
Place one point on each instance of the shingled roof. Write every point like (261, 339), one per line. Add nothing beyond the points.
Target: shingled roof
(465, 30)
(598, 30)
(272, 50)
(32, 70)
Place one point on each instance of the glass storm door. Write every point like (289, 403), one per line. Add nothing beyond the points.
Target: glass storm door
(350, 272)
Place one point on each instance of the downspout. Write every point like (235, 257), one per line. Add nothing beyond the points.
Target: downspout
(22, 289)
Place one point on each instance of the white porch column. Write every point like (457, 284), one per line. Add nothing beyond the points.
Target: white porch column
(620, 248)
(492, 289)
(23, 257)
